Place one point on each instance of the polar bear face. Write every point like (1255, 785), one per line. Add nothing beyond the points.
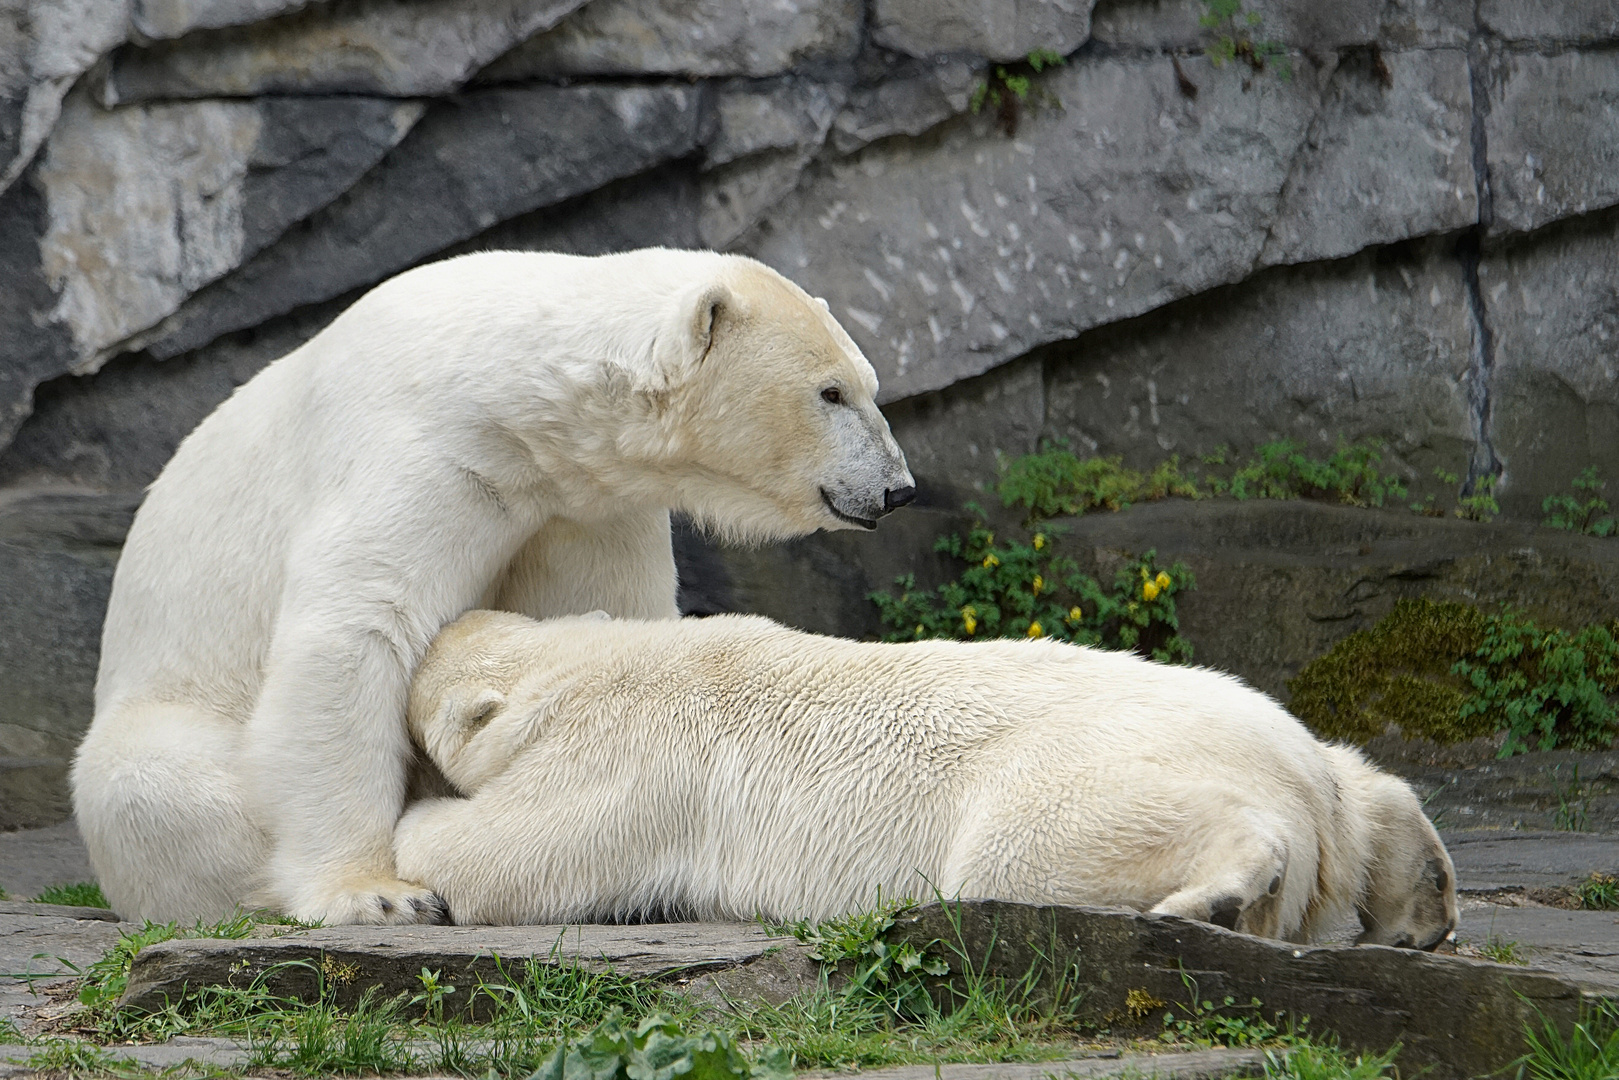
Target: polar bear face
(777, 411)
(1410, 898)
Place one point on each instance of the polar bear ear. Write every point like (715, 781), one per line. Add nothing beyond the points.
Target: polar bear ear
(706, 315)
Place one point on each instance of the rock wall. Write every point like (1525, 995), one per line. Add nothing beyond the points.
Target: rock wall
(1406, 226)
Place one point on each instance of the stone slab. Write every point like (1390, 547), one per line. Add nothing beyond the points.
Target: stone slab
(32, 860)
(355, 958)
(1487, 860)
(1456, 1017)
(1000, 31)
(1581, 946)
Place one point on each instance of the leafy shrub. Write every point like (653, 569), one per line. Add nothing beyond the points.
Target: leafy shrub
(1282, 470)
(1055, 482)
(654, 1048)
(1450, 672)
(1545, 688)
(1023, 589)
(1007, 88)
(1233, 38)
(855, 943)
(1479, 504)
(1582, 510)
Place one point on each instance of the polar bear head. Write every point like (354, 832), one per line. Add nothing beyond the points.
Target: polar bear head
(1410, 895)
(459, 710)
(772, 410)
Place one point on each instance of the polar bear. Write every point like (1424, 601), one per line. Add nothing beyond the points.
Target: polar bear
(504, 430)
(728, 767)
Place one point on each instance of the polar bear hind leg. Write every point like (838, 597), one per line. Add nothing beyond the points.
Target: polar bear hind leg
(1243, 891)
(157, 780)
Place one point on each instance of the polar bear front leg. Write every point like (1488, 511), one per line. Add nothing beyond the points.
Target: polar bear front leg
(325, 764)
(624, 566)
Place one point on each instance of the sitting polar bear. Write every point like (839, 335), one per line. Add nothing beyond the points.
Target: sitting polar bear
(501, 430)
(729, 767)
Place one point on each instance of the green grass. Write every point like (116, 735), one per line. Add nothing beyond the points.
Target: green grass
(1599, 892)
(81, 894)
(1589, 1052)
(1501, 951)
(1324, 1061)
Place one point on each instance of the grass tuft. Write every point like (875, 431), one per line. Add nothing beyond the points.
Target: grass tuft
(81, 894)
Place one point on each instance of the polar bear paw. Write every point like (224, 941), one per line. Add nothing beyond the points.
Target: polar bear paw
(376, 902)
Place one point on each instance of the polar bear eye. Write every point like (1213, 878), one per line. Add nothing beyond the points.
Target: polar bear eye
(832, 396)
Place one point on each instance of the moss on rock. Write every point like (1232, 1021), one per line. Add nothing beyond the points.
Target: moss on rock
(1399, 672)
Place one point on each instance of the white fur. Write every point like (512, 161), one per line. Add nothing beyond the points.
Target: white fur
(503, 430)
(728, 767)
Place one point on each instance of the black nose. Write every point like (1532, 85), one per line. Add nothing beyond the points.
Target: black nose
(894, 498)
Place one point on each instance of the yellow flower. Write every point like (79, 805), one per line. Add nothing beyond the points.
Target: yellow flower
(969, 619)
(919, 630)
(1074, 614)
(1035, 630)
(1039, 541)
(1037, 584)
(1143, 573)
(1149, 590)
(1164, 580)
(990, 560)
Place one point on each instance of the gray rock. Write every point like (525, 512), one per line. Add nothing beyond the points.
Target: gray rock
(470, 163)
(1427, 23)
(1382, 162)
(33, 348)
(1455, 1017)
(1567, 20)
(1173, 24)
(148, 204)
(45, 45)
(357, 958)
(921, 95)
(1552, 130)
(948, 256)
(56, 559)
(159, 19)
(737, 196)
(787, 114)
(402, 48)
(1544, 791)
(998, 29)
(1554, 393)
(955, 439)
(47, 943)
(1580, 946)
(1316, 353)
(1490, 860)
(687, 37)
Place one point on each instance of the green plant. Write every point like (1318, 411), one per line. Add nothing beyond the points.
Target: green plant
(1282, 470)
(1546, 688)
(1599, 892)
(76, 1058)
(1055, 482)
(1007, 88)
(856, 943)
(657, 1048)
(83, 894)
(1233, 38)
(1203, 1023)
(1022, 589)
(1590, 1051)
(1307, 1060)
(1501, 951)
(1571, 804)
(1478, 503)
(1582, 510)
(104, 980)
(1426, 507)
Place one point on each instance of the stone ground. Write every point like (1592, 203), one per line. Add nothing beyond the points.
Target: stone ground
(1510, 882)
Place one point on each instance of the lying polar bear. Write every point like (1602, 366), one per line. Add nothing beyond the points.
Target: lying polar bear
(728, 767)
